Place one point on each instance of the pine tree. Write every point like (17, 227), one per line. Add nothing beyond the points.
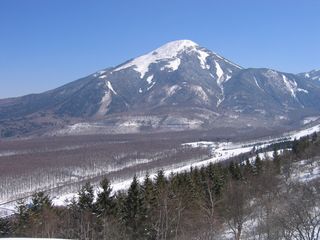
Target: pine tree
(258, 164)
(105, 204)
(160, 181)
(149, 203)
(276, 161)
(5, 227)
(134, 213)
(314, 137)
(86, 197)
(235, 171)
(148, 192)
(248, 168)
(23, 217)
(40, 201)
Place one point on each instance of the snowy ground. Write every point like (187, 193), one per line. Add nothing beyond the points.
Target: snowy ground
(219, 151)
(306, 170)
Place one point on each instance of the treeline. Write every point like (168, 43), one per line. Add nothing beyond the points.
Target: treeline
(249, 199)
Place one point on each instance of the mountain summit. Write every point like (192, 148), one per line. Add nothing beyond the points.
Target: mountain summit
(178, 86)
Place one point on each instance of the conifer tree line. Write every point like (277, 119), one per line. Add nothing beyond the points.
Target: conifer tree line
(202, 203)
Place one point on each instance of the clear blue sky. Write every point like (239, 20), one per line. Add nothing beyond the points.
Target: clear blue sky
(47, 43)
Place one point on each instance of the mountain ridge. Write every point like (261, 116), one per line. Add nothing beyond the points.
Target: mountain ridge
(178, 86)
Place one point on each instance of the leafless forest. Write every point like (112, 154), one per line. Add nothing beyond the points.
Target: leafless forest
(62, 164)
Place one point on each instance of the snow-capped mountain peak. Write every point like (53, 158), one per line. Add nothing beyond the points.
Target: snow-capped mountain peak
(168, 52)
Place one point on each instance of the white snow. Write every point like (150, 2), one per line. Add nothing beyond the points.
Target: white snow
(306, 170)
(302, 90)
(220, 80)
(310, 119)
(151, 86)
(103, 76)
(172, 65)
(198, 90)
(227, 78)
(104, 103)
(290, 85)
(255, 80)
(149, 79)
(304, 132)
(173, 89)
(111, 88)
(168, 52)
(224, 150)
(202, 55)
(219, 72)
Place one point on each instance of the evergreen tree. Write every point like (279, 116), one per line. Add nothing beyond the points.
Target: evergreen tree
(149, 203)
(5, 227)
(314, 137)
(160, 181)
(258, 164)
(105, 204)
(235, 171)
(134, 213)
(276, 161)
(23, 215)
(148, 192)
(248, 168)
(86, 197)
(40, 201)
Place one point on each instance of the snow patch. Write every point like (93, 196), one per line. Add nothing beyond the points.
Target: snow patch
(172, 65)
(290, 85)
(309, 120)
(198, 90)
(172, 90)
(151, 86)
(256, 82)
(111, 88)
(104, 103)
(302, 90)
(202, 55)
(219, 72)
(220, 80)
(103, 76)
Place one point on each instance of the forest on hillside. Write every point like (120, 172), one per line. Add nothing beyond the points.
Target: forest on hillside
(240, 199)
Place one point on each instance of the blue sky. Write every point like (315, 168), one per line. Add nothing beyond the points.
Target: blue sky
(47, 43)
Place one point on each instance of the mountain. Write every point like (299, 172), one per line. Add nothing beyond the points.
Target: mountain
(313, 75)
(178, 86)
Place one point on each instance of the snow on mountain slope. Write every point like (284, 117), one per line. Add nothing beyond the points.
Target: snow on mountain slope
(313, 75)
(168, 52)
